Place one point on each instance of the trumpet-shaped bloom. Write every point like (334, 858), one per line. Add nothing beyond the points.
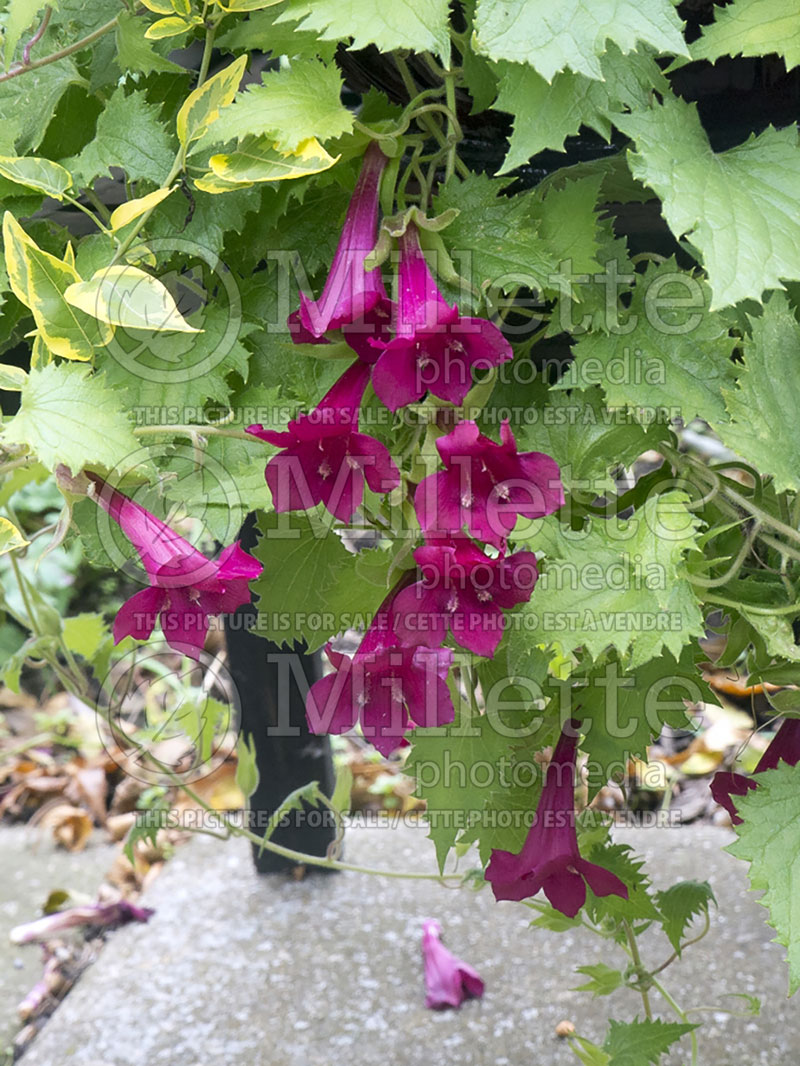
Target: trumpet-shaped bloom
(324, 459)
(353, 299)
(550, 859)
(448, 980)
(462, 591)
(185, 586)
(486, 486)
(434, 348)
(386, 687)
(785, 746)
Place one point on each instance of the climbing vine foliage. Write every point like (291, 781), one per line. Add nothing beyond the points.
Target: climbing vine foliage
(543, 464)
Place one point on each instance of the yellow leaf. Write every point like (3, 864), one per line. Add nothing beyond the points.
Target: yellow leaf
(169, 27)
(159, 7)
(14, 240)
(203, 105)
(127, 212)
(211, 183)
(10, 537)
(128, 297)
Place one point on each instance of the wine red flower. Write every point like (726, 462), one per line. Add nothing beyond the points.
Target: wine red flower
(462, 591)
(448, 980)
(485, 486)
(324, 459)
(386, 687)
(550, 859)
(185, 586)
(353, 299)
(434, 348)
(785, 746)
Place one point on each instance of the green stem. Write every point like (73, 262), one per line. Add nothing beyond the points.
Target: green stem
(681, 1014)
(26, 745)
(89, 214)
(84, 42)
(33, 620)
(191, 430)
(637, 962)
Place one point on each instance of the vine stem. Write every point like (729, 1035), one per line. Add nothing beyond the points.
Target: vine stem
(62, 53)
(637, 962)
(681, 1014)
(190, 431)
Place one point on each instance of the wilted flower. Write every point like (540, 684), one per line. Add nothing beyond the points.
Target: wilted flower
(386, 687)
(785, 746)
(100, 914)
(185, 586)
(353, 299)
(462, 590)
(550, 859)
(324, 458)
(448, 980)
(434, 347)
(486, 486)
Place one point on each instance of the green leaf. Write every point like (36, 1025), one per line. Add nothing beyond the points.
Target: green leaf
(145, 828)
(764, 405)
(585, 437)
(134, 52)
(27, 104)
(293, 104)
(639, 1043)
(421, 25)
(10, 537)
(603, 980)
(679, 904)
(19, 16)
(752, 28)
(666, 353)
(259, 159)
(12, 378)
(262, 32)
(203, 105)
(311, 587)
(247, 775)
(626, 710)
(545, 113)
(769, 839)
(574, 33)
(67, 416)
(36, 173)
(130, 135)
(85, 634)
(739, 208)
(129, 297)
(619, 582)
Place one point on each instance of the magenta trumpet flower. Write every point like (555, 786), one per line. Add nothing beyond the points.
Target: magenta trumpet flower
(434, 349)
(448, 980)
(324, 459)
(185, 586)
(486, 486)
(785, 746)
(550, 859)
(386, 687)
(462, 591)
(353, 299)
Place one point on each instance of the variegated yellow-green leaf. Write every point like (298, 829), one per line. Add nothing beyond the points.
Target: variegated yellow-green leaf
(12, 378)
(248, 5)
(258, 159)
(14, 240)
(10, 537)
(169, 27)
(182, 7)
(127, 212)
(40, 280)
(127, 296)
(159, 7)
(35, 173)
(40, 356)
(203, 105)
(211, 183)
